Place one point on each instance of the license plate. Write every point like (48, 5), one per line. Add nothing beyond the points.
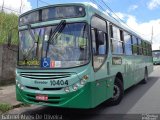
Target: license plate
(42, 97)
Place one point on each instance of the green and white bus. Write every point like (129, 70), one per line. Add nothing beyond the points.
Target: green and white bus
(156, 57)
(75, 56)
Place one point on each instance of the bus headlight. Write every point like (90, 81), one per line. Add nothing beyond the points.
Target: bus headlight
(66, 89)
(82, 82)
(19, 85)
(16, 81)
(22, 87)
(75, 87)
(79, 84)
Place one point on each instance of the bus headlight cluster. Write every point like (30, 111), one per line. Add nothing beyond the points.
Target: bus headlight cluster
(83, 80)
(77, 85)
(66, 89)
(19, 85)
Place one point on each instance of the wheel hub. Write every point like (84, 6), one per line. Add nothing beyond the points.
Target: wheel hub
(116, 93)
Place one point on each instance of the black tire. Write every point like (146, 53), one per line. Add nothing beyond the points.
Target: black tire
(118, 92)
(144, 81)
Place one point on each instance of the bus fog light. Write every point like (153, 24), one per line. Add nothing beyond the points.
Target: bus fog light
(19, 85)
(66, 89)
(82, 82)
(75, 87)
(16, 81)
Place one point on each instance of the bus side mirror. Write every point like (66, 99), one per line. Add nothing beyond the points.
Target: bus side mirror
(100, 38)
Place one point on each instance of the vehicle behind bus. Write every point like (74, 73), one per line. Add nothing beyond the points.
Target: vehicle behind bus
(156, 57)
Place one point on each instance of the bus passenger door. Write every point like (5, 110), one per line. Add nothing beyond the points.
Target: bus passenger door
(129, 76)
(99, 52)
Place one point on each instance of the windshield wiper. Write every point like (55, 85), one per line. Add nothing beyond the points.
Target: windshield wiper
(37, 47)
(29, 29)
(57, 30)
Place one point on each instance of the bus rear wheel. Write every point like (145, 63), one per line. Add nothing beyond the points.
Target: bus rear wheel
(118, 92)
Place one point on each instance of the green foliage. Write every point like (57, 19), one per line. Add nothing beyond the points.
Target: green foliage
(8, 22)
(5, 107)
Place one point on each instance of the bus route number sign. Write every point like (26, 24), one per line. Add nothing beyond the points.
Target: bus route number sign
(59, 82)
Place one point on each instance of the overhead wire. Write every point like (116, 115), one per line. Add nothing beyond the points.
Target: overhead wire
(94, 2)
(10, 9)
(117, 15)
(44, 2)
(98, 5)
(108, 8)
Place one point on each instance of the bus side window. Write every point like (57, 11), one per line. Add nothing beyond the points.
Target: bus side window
(116, 40)
(139, 46)
(150, 50)
(128, 43)
(101, 42)
(146, 45)
(98, 42)
(147, 49)
(122, 40)
(144, 48)
(134, 45)
(94, 41)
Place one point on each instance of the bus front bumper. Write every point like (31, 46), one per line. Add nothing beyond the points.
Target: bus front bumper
(77, 99)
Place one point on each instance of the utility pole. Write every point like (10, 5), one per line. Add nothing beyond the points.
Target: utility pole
(20, 10)
(2, 6)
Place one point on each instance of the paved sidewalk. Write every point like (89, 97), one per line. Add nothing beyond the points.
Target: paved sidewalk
(8, 95)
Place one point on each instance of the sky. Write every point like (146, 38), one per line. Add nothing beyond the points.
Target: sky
(140, 15)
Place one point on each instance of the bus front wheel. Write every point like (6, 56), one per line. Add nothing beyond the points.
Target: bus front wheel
(118, 92)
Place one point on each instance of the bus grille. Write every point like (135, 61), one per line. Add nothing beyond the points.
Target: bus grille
(44, 75)
(47, 89)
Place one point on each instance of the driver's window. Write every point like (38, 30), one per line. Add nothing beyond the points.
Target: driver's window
(102, 46)
(99, 41)
(98, 49)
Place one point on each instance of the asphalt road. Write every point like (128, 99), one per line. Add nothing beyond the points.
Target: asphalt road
(140, 102)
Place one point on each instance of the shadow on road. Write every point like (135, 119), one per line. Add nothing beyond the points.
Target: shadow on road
(103, 111)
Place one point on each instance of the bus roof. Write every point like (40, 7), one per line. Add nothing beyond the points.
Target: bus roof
(94, 9)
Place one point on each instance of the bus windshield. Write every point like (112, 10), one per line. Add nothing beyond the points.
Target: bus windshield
(68, 48)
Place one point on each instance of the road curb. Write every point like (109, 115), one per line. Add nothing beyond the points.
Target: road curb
(17, 105)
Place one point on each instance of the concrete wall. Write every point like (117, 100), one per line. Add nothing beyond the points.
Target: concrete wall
(8, 60)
